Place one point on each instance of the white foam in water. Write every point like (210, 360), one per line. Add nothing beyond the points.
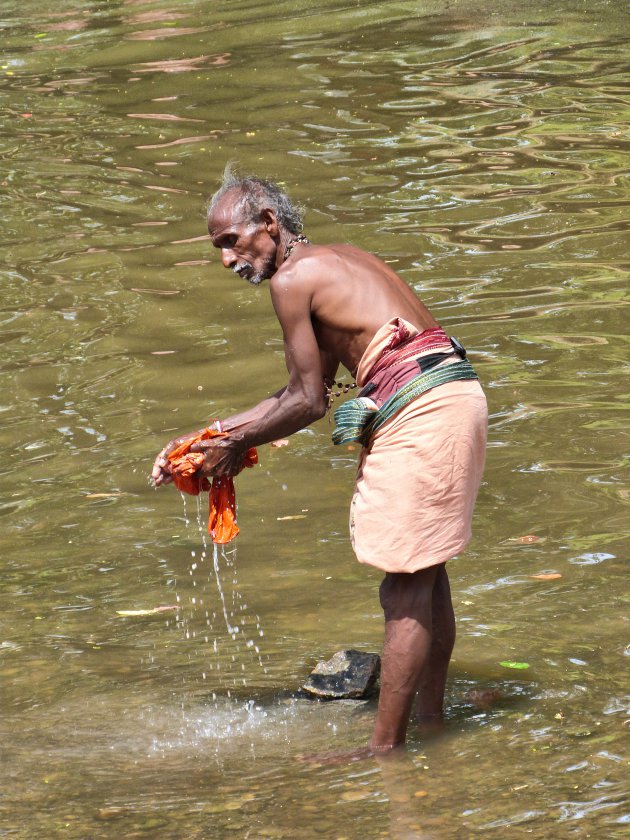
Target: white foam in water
(227, 722)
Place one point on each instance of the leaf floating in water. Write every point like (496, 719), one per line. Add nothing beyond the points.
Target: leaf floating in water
(156, 291)
(279, 443)
(353, 796)
(547, 576)
(154, 611)
(528, 539)
(112, 813)
(518, 666)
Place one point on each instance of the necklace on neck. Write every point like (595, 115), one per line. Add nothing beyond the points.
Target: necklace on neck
(300, 238)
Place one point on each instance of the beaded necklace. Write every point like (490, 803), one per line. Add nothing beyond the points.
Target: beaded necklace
(300, 238)
(343, 387)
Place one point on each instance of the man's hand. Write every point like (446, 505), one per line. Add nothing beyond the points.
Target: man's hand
(222, 455)
(161, 472)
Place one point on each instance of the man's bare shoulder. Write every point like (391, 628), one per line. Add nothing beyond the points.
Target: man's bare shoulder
(314, 262)
(314, 255)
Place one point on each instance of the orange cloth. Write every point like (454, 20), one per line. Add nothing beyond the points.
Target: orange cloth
(185, 469)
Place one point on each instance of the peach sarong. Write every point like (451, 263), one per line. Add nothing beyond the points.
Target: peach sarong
(417, 480)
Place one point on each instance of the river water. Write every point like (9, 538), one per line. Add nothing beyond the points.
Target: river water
(481, 149)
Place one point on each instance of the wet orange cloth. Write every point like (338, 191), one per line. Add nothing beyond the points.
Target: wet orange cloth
(185, 466)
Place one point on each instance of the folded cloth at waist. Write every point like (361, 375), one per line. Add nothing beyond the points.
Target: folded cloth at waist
(358, 419)
(403, 352)
(393, 371)
(400, 342)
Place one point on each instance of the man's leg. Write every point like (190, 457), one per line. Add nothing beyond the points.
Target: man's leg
(430, 699)
(407, 601)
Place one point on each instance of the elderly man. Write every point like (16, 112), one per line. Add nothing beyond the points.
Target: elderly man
(420, 414)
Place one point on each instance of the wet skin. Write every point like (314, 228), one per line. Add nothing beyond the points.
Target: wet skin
(319, 294)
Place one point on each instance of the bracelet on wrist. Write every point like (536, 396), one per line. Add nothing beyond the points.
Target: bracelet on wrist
(215, 426)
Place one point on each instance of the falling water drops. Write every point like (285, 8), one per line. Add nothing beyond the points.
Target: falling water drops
(229, 630)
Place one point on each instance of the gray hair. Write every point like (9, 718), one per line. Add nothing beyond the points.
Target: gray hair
(258, 194)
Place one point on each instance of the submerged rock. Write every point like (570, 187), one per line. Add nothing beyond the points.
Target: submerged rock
(349, 674)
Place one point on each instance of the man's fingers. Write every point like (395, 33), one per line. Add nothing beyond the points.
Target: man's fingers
(160, 473)
(157, 476)
(204, 445)
(159, 463)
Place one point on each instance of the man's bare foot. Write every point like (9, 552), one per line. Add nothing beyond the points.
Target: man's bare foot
(428, 725)
(350, 756)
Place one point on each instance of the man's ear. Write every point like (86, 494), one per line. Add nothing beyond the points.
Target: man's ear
(269, 220)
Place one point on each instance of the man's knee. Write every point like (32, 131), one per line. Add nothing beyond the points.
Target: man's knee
(404, 594)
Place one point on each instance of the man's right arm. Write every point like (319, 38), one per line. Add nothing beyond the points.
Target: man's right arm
(291, 408)
(296, 406)
(160, 474)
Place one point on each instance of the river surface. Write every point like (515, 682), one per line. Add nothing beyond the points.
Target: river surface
(483, 150)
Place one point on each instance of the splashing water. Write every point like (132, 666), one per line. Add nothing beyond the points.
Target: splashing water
(242, 630)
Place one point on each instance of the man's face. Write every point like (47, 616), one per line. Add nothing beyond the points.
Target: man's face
(246, 247)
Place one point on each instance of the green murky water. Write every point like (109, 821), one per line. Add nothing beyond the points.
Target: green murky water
(483, 150)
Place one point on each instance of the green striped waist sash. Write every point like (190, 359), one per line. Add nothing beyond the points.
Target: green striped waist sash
(354, 421)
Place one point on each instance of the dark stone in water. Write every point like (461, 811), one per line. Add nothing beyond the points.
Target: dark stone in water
(349, 674)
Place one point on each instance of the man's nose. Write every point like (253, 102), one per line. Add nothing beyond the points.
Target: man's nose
(228, 258)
